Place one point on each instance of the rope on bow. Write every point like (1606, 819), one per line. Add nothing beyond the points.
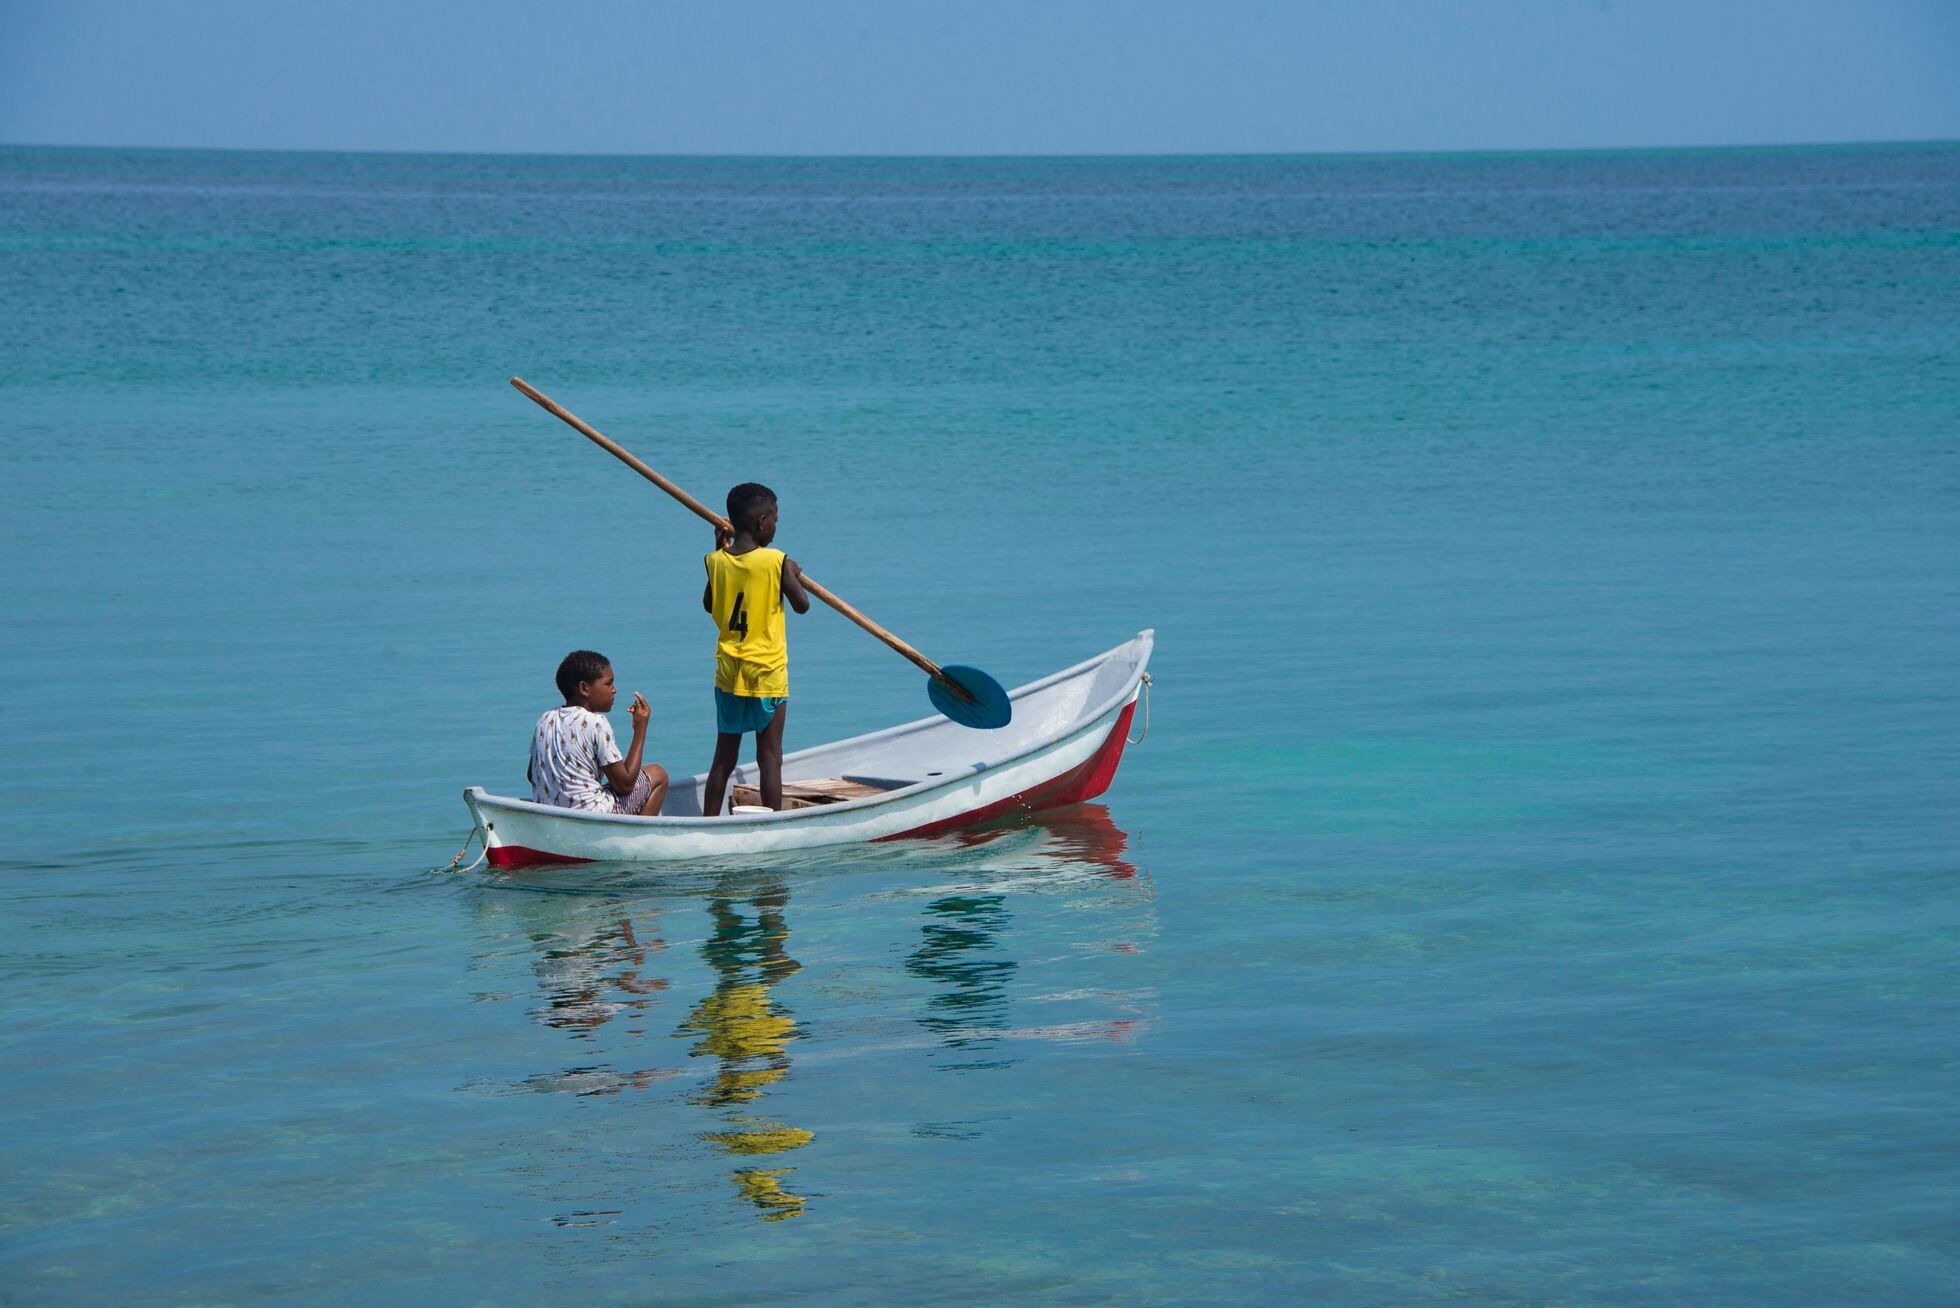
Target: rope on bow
(1146, 714)
(456, 863)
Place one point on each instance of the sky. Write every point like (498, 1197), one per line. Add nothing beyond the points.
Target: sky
(967, 77)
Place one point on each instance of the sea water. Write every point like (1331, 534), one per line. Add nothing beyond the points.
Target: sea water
(1537, 884)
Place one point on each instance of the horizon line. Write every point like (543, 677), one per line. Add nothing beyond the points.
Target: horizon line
(1846, 144)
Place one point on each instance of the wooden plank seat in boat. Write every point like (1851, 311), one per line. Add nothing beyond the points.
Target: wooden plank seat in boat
(817, 792)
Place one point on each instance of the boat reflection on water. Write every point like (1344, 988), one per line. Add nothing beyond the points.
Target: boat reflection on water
(593, 957)
(589, 982)
(1085, 836)
(594, 960)
(1001, 923)
(741, 1024)
(961, 954)
(961, 948)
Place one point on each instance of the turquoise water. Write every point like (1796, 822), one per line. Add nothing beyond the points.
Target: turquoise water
(1537, 884)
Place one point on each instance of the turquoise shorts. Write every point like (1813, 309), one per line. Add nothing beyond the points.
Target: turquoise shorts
(737, 715)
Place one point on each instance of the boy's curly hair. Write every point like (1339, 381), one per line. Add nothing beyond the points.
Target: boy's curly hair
(746, 501)
(580, 665)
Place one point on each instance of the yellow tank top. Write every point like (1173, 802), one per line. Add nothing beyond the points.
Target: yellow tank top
(745, 594)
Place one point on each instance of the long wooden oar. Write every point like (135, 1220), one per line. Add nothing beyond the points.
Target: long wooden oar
(966, 695)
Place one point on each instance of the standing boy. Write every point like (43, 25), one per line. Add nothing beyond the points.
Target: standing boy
(575, 759)
(747, 583)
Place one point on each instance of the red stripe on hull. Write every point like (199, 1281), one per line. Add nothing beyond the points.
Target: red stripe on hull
(521, 856)
(1079, 784)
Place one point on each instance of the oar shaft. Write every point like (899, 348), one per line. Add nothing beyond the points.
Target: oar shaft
(618, 451)
(701, 510)
(924, 664)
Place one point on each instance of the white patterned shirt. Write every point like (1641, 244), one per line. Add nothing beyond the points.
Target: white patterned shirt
(569, 754)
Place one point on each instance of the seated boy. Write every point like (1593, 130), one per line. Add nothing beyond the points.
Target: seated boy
(747, 583)
(575, 760)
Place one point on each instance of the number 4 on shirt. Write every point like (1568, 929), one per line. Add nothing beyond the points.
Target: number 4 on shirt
(738, 620)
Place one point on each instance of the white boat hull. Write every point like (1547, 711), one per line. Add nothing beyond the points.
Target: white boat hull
(1062, 747)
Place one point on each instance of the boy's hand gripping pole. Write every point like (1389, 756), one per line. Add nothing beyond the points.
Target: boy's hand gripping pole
(966, 695)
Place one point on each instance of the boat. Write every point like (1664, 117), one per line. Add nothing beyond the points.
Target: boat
(925, 778)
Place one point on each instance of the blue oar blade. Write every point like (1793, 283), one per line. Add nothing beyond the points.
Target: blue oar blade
(988, 708)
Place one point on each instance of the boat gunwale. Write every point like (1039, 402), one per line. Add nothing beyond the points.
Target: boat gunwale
(475, 795)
